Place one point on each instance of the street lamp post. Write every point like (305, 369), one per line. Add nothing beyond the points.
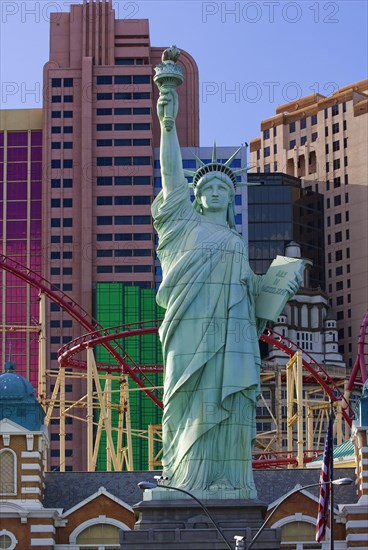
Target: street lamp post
(150, 485)
(341, 481)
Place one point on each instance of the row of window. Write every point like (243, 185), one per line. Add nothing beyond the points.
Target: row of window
(65, 222)
(58, 82)
(56, 183)
(124, 253)
(56, 203)
(124, 269)
(123, 161)
(67, 163)
(66, 129)
(266, 133)
(108, 237)
(58, 98)
(123, 180)
(337, 200)
(65, 144)
(123, 79)
(123, 200)
(123, 95)
(106, 111)
(303, 140)
(338, 236)
(123, 142)
(338, 218)
(337, 182)
(335, 110)
(336, 164)
(123, 220)
(124, 127)
(336, 145)
(338, 255)
(57, 114)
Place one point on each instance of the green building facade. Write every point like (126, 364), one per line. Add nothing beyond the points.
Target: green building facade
(118, 304)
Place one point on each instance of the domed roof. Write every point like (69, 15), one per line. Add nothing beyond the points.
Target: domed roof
(18, 401)
(16, 388)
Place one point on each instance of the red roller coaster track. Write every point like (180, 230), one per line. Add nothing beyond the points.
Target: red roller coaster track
(80, 315)
(97, 335)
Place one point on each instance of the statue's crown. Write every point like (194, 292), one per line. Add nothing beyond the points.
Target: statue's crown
(215, 166)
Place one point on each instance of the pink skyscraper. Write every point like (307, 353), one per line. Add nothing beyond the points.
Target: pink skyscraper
(99, 132)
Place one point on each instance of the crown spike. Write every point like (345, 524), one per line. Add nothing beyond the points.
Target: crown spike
(229, 161)
(214, 153)
(200, 162)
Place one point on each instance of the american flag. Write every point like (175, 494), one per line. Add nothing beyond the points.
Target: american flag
(324, 479)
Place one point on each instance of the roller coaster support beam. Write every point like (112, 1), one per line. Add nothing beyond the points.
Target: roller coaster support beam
(294, 390)
(42, 352)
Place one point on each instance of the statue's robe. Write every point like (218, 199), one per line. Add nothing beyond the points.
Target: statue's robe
(210, 345)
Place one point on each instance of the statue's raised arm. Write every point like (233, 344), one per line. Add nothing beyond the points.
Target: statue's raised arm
(168, 77)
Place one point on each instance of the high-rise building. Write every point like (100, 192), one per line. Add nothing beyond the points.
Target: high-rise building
(20, 227)
(324, 141)
(99, 132)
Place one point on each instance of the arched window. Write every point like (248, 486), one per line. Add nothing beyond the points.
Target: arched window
(101, 533)
(8, 472)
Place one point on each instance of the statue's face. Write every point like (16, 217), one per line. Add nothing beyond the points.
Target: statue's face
(215, 195)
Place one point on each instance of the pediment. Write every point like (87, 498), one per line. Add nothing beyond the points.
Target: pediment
(7, 426)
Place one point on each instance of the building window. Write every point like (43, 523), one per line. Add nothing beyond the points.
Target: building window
(274, 131)
(68, 82)
(336, 146)
(104, 112)
(266, 152)
(303, 140)
(68, 114)
(67, 182)
(104, 269)
(292, 127)
(104, 143)
(334, 110)
(326, 131)
(337, 182)
(56, 99)
(141, 79)
(258, 154)
(336, 164)
(346, 179)
(56, 145)
(104, 80)
(68, 163)
(104, 237)
(56, 130)
(68, 129)
(340, 285)
(327, 167)
(68, 145)
(314, 136)
(345, 142)
(104, 161)
(303, 123)
(104, 180)
(8, 472)
(123, 111)
(56, 163)
(292, 144)
(141, 110)
(335, 128)
(123, 79)
(104, 96)
(56, 82)
(313, 120)
(104, 201)
(267, 168)
(68, 99)
(266, 134)
(56, 114)
(104, 127)
(123, 220)
(104, 220)
(345, 161)
(338, 218)
(337, 200)
(338, 237)
(338, 255)
(7, 540)
(344, 125)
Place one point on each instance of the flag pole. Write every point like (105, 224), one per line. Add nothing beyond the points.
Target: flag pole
(332, 545)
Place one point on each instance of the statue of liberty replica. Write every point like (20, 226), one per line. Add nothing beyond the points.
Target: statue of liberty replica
(210, 331)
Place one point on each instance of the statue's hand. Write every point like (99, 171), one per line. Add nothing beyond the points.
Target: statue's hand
(293, 286)
(167, 107)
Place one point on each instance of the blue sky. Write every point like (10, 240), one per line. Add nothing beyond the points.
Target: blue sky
(252, 55)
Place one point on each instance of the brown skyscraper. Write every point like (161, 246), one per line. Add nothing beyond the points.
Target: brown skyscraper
(99, 132)
(324, 141)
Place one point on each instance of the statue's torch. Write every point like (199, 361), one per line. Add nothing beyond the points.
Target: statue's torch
(169, 75)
